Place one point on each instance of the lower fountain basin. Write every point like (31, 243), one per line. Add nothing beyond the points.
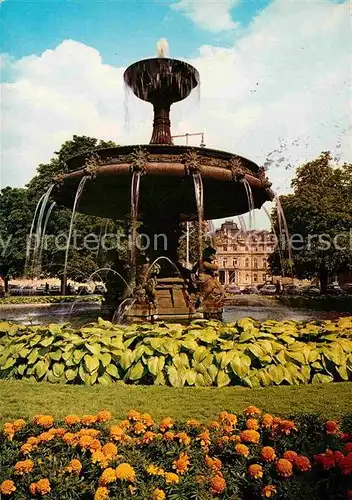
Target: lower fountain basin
(166, 186)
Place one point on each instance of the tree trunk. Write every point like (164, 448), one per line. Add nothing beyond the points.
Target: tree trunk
(6, 284)
(63, 283)
(323, 278)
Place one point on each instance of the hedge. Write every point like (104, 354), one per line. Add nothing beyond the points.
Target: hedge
(247, 456)
(55, 299)
(204, 353)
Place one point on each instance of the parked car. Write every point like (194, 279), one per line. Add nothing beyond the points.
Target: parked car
(28, 290)
(334, 290)
(291, 290)
(40, 290)
(54, 290)
(268, 290)
(15, 290)
(233, 290)
(310, 290)
(250, 290)
(347, 287)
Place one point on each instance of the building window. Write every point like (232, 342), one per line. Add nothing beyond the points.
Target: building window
(255, 263)
(225, 249)
(255, 277)
(224, 263)
(246, 262)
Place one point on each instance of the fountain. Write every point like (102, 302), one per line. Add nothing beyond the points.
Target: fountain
(157, 187)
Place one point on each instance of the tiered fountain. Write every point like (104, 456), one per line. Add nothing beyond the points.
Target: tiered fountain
(160, 185)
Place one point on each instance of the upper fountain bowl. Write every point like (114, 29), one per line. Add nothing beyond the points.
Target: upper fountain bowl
(161, 81)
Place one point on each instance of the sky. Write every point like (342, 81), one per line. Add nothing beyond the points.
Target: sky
(274, 78)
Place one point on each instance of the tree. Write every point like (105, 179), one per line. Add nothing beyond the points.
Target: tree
(14, 226)
(319, 220)
(16, 204)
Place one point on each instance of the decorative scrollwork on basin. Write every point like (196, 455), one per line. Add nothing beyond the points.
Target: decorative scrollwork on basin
(192, 162)
(238, 171)
(139, 161)
(59, 179)
(91, 165)
(264, 178)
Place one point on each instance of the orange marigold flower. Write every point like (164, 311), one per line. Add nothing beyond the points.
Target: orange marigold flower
(26, 448)
(255, 471)
(290, 456)
(117, 433)
(133, 415)
(169, 435)
(302, 463)
(154, 470)
(193, 423)
(45, 437)
(252, 423)
(267, 421)
(89, 432)
(147, 419)
(166, 423)
(235, 439)
(24, 467)
(252, 411)
(74, 466)
(181, 464)
(214, 425)
(242, 449)
(7, 487)
(124, 424)
(85, 441)
(60, 431)
(214, 463)
(72, 420)
(158, 494)
(102, 493)
(33, 489)
(139, 428)
(124, 471)
(43, 486)
(228, 418)
(331, 427)
(268, 454)
(108, 476)
(269, 491)
(109, 449)
(204, 438)
(250, 436)
(9, 431)
(88, 419)
(99, 457)
(45, 421)
(183, 438)
(217, 484)
(286, 426)
(69, 438)
(19, 424)
(171, 478)
(223, 440)
(284, 467)
(103, 416)
(148, 437)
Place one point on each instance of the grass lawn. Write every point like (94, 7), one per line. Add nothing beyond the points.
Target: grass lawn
(24, 399)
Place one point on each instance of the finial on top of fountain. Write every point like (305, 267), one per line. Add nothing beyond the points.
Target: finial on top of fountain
(162, 48)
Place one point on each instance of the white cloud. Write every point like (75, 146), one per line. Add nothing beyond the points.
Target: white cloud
(282, 88)
(210, 15)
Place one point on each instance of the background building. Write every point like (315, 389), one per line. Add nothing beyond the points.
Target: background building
(242, 256)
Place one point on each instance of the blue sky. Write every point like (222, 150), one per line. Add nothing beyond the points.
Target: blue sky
(122, 31)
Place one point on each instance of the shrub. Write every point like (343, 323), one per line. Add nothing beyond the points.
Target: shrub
(56, 299)
(85, 458)
(204, 353)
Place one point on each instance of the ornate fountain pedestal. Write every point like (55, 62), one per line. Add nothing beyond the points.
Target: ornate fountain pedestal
(172, 303)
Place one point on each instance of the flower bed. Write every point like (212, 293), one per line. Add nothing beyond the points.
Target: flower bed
(204, 353)
(55, 299)
(248, 456)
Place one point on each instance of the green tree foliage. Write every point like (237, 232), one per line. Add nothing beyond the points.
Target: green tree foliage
(18, 207)
(319, 219)
(13, 230)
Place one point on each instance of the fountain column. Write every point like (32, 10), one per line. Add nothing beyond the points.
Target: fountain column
(161, 126)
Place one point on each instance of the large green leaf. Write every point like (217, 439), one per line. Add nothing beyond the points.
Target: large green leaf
(58, 369)
(91, 363)
(190, 376)
(176, 376)
(126, 359)
(222, 379)
(320, 378)
(240, 366)
(105, 379)
(112, 371)
(105, 359)
(136, 371)
(71, 374)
